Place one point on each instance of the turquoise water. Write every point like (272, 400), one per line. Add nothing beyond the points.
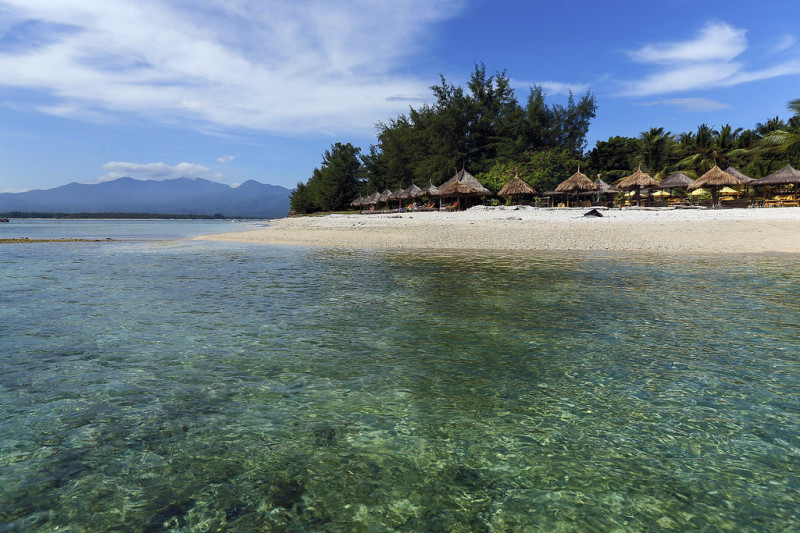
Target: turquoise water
(190, 386)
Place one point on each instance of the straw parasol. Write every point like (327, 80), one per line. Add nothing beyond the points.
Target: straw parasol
(636, 182)
(463, 185)
(678, 180)
(785, 176)
(516, 187)
(465, 177)
(736, 172)
(411, 192)
(430, 190)
(715, 179)
(357, 201)
(578, 182)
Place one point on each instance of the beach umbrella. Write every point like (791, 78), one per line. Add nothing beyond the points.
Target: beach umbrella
(411, 192)
(785, 176)
(576, 183)
(715, 179)
(736, 172)
(463, 185)
(678, 180)
(728, 190)
(699, 192)
(516, 187)
(430, 190)
(357, 201)
(661, 193)
(636, 182)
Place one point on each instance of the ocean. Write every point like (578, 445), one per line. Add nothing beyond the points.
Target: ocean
(155, 383)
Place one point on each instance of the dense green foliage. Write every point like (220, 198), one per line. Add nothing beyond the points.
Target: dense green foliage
(483, 128)
(334, 184)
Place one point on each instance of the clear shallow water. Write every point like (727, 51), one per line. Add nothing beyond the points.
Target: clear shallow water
(144, 229)
(209, 387)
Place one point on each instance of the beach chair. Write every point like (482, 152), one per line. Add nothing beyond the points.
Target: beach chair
(452, 207)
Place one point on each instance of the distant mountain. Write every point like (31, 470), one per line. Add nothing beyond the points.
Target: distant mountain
(181, 196)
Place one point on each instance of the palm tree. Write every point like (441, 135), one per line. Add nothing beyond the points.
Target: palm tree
(702, 150)
(784, 141)
(655, 149)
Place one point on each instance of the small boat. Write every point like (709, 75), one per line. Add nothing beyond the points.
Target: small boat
(4, 220)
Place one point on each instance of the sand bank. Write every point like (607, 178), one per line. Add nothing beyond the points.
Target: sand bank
(526, 228)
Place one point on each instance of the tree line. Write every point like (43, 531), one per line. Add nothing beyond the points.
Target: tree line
(483, 128)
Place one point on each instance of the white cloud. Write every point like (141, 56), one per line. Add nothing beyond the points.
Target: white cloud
(784, 43)
(269, 65)
(690, 104)
(549, 87)
(158, 171)
(715, 42)
(710, 60)
(225, 159)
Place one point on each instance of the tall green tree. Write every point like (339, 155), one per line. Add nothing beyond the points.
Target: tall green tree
(656, 149)
(332, 186)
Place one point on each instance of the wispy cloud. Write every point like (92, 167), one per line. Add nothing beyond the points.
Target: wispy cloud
(267, 65)
(549, 87)
(711, 59)
(158, 171)
(689, 104)
(225, 159)
(785, 42)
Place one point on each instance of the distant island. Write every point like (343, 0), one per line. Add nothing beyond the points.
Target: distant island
(131, 198)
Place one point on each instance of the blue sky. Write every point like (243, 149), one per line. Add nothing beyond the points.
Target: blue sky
(232, 90)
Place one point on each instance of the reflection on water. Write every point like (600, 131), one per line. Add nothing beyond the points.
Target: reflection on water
(218, 387)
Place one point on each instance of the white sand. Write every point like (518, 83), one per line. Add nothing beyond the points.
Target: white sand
(526, 228)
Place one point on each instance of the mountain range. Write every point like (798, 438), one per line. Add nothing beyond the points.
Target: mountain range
(182, 196)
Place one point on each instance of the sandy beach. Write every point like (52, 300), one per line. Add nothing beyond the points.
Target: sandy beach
(720, 231)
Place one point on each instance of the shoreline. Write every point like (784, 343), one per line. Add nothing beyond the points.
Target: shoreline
(718, 231)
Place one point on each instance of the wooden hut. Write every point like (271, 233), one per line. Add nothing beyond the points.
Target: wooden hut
(577, 183)
(517, 188)
(783, 178)
(470, 188)
(714, 180)
(637, 182)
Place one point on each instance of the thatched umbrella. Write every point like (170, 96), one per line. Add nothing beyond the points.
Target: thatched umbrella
(715, 179)
(397, 196)
(576, 183)
(736, 172)
(472, 187)
(636, 182)
(357, 201)
(411, 192)
(785, 176)
(516, 187)
(384, 197)
(678, 180)
(372, 199)
(458, 190)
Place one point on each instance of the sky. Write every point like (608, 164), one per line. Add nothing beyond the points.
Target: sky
(232, 90)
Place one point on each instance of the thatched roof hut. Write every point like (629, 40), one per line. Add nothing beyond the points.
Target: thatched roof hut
(516, 187)
(468, 179)
(411, 192)
(736, 172)
(458, 188)
(578, 182)
(678, 180)
(430, 190)
(784, 176)
(604, 188)
(372, 199)
(637, 181)
(357, 201)
(715, 178)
